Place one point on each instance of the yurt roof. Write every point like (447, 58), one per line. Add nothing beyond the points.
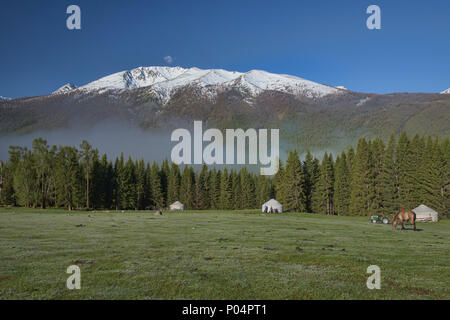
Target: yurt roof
(272, 202)
(177, 203)
(423, 208)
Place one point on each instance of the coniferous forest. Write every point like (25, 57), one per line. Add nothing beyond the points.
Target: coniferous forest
(374, 178)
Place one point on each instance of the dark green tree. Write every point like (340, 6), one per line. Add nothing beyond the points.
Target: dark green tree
(295, 184)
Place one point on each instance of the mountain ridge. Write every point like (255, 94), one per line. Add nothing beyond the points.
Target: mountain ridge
(247, 100)
(164, 81)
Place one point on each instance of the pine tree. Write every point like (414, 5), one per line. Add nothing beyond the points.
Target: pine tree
(342, 186)
(118, 182)
(264, 189)
(433, 180)
(362, 183)
(148, 186)
(156, 189)
(324, 191)
(389, 179)
(314, 186)
(215, 178)
(202, 186)
(140, 184)
(236, 191)
(128, 186)
(377, 163)
(164, 174)
(248, 190)
(279, 185)
(87, 158)
(108, 182)
(308, 169)
(98, 185)
(404, 171)
(187, 187)
(68, 178)
(295, 184)
(225, 191)
(445, 181)
(173, 184)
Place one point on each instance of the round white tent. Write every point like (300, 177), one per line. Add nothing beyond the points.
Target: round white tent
(274, 204)
(177, 205)
(425, 214)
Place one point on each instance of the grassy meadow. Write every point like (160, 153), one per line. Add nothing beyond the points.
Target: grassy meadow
(217, 255)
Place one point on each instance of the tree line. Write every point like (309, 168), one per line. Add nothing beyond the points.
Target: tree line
(374, 178)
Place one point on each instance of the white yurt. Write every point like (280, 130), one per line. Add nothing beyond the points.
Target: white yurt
(177, 205)
(274, 204)
(425, 214)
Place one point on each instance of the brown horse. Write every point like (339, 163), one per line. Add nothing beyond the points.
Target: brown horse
(403, 217)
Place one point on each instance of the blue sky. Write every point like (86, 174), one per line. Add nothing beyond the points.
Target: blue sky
(324, 41)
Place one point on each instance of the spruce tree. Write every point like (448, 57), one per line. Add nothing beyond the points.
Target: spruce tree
(404, 171)
(389, 179)
(140, 184)
(248, 189)
(118, 178)
(377, 163)
(98, 183)
(202, 186)
(157, 196)
(164, 174)
(87, 158)
(295, 184)
(187, 187)
(214, 188)
(280, 186)
(128, 186)
(342, 186)
(225, 191)
(68, 178)
(324, 191)
(445, 181)
(173, 184)
(308, 169)
(362, 183)
(236, 191)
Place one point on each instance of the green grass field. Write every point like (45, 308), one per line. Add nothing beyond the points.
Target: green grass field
(217, 255)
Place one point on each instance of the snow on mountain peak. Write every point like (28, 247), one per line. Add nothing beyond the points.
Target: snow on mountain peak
(446, 91)
(4, 98)
(65, 88)
(165, 80)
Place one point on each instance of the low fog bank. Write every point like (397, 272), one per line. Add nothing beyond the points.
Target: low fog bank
(116, 136)
(110, 136)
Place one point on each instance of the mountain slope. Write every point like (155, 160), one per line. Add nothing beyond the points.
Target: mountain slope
(308, 114)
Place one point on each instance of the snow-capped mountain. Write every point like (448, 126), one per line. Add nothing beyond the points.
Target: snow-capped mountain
(66, 88)
(446, 91)
(4, 98)
(165, 80)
